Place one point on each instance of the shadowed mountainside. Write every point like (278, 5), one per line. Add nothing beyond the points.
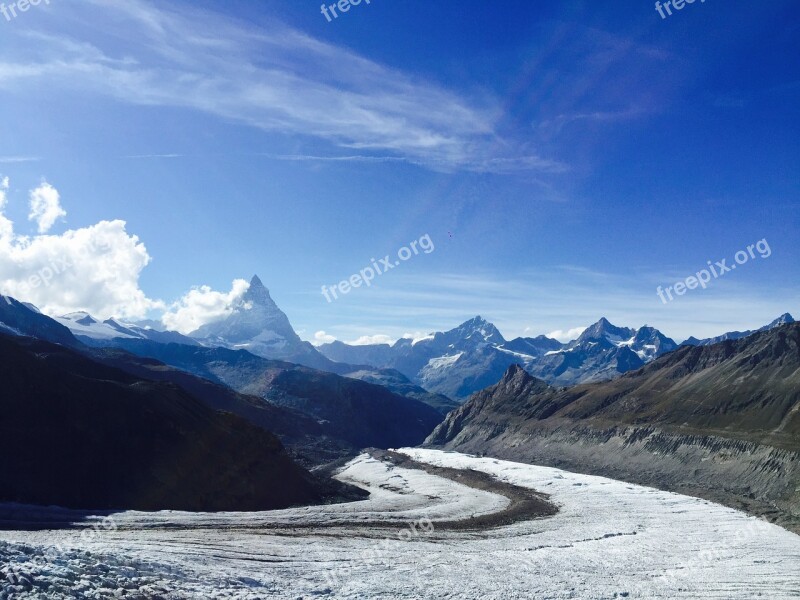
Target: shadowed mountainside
(80, 434)
(348, 413)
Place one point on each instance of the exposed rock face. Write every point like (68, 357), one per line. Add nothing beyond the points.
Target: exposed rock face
(720, 421)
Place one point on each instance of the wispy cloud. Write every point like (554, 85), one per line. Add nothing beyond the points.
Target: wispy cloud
(274, 78)
(17, 159)
(343, 158)
(557, 123)
(156, 156)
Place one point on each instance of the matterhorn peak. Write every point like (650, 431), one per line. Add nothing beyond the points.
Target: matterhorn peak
(257, 293)
(255, 323)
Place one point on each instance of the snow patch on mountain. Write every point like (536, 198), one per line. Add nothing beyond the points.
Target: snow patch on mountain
(443, 362)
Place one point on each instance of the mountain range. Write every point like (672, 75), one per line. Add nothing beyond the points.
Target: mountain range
(319, 415)
(628, 403)
(474, 355)
(441, 369)
(720, 421)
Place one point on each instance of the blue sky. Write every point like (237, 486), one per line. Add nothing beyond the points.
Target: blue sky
(565, 158)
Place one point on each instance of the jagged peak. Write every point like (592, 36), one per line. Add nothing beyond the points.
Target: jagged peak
(515, 373)
(475, 322)
(258, 292)
(601, 327)
(783, 319)
(480, 325)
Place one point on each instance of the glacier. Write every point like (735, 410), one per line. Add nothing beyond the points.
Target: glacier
(610, 539)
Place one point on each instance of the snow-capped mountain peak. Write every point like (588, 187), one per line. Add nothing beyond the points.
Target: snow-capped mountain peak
(782, 320)
(605, 330)
(477, 329)
(255, 323)
(81, 318)
(258, 294)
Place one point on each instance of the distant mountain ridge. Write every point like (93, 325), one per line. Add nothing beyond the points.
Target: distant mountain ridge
(93, 332)
(736, 335)
(459, 362)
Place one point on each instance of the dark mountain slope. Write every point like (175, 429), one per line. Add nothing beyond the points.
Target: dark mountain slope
(351, 413)
(304, 437)
(397, 383)
(84, 435)
(719, 421)
(21, 319)
(329, 417)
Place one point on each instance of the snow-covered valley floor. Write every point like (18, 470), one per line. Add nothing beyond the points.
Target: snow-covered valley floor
(609, 540)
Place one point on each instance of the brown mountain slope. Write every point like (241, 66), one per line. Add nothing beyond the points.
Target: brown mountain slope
(719, 421)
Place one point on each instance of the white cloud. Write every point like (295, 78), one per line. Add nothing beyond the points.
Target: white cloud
(566, 336)
(416, 336)
(45, 203)
(322, 338)
(203, 305)
(366, 340)
(94, 268)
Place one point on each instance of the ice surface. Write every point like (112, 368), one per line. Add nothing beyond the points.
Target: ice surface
(609, 540)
